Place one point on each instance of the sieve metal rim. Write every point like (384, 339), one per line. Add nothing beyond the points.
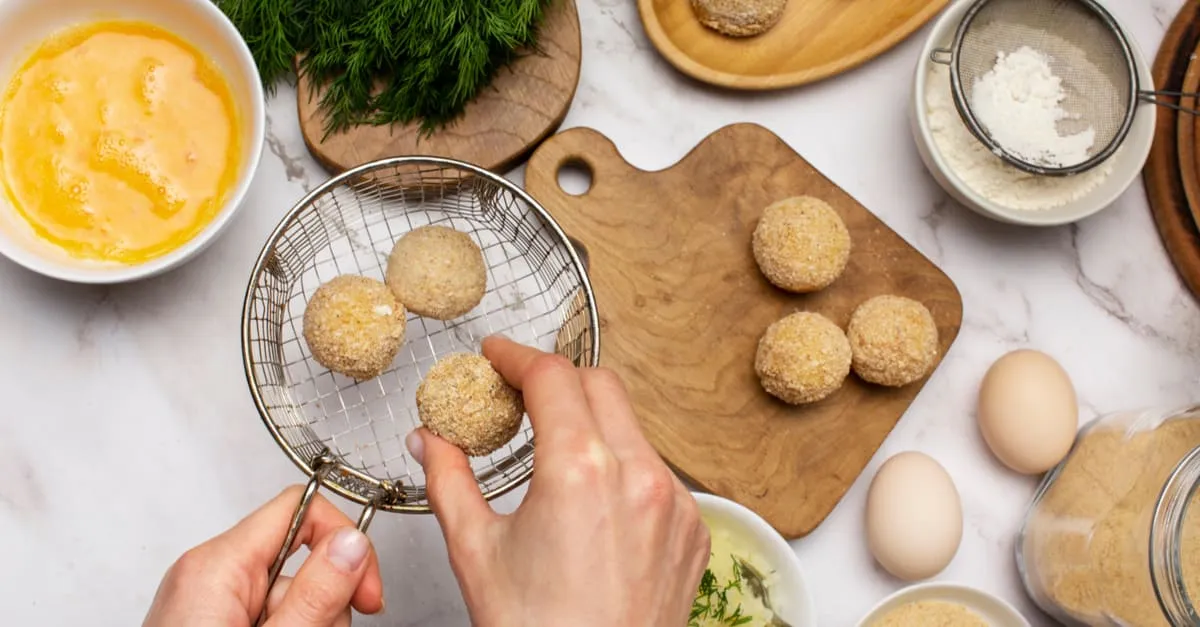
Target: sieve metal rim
(311, 469)
(976, 129)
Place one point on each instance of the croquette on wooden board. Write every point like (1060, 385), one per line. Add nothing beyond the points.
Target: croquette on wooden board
(682, 307)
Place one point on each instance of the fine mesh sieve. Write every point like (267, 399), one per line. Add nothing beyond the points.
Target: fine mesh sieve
(349, 435)
(1087, 50)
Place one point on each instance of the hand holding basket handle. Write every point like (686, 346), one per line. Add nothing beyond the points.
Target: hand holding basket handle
(606, 535)
(224, 580)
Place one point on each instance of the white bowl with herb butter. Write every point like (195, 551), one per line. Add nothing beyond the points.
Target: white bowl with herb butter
(943, 604)
(129, 133)
(741, 541)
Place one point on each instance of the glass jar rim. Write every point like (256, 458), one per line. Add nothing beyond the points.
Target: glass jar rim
(1167, 538)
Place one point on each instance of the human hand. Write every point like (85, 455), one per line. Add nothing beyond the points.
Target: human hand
(606, 535)
(222, 583)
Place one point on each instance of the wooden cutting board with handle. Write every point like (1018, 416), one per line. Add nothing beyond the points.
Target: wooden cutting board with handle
(682, 306)
(524, 104)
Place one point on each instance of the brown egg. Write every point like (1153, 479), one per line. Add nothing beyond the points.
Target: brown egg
(1028, 413)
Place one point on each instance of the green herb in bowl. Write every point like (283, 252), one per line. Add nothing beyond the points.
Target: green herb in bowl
(387, 61)
(712, 605)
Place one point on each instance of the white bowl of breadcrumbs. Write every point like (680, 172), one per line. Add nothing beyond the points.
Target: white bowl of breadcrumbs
(928, 604)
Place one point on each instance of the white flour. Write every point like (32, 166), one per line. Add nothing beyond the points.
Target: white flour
(983, 172)
(1018, 102)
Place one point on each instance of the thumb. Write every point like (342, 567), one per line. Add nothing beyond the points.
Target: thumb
(321, 591)
(450, 483)
(279, 592)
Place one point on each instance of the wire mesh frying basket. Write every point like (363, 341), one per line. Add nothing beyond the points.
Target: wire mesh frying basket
(349, 435)
(1087, 49)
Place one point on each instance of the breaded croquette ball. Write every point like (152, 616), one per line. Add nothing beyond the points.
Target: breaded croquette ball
(802, 358)
(437, 272)
(354, 325)
(466, 402)
(739, 18)
(801, 244)
(894, 340)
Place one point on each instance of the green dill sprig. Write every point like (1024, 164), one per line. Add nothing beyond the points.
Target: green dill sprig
(387, 61)
(712, 600)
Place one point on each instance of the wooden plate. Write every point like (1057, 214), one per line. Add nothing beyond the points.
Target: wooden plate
(682, 306)
(814, 39)
(1185, 139)
(1162, 174)
(525, 103)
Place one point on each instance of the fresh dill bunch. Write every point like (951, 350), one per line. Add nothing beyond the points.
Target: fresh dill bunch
(712, 600)
(387, 61)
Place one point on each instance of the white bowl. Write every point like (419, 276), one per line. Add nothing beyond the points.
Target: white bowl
(26, 23)
(1127, 162)
(997, 612)
(789, 594)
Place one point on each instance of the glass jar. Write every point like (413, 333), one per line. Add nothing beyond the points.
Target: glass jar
(1109, 539)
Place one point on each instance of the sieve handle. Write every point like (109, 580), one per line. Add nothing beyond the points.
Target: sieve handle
(1152, 97)
(941, 56)
(322, 465)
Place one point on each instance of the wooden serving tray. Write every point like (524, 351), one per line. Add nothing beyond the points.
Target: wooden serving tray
(814, 39)
(1164, 174)
(682, 306)
(524, 104)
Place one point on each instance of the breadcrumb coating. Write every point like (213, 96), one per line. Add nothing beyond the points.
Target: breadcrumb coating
(465, 401)
(354, 325)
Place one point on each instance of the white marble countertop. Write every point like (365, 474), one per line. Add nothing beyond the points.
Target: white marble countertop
(128, 434)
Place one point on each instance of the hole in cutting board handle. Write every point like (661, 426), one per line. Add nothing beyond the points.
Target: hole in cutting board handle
(574, 176)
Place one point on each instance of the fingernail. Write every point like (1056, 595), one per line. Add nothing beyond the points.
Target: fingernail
(500, 336)
(348, 549)
(416, 446)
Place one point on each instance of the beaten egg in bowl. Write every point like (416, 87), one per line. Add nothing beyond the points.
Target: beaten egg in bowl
(118, 141)
(130, 131)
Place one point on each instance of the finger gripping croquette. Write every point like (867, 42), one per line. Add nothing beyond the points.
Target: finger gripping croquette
(466, 402)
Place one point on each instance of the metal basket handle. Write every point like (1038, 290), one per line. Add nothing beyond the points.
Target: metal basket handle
(322, 466)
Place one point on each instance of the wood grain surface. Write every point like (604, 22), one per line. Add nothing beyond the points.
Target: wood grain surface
(814, 39)
(1185, 140)
(682, 306)
(1162, 174)
(524, 104)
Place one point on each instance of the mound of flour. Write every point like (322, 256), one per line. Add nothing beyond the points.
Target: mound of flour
(985, 173)
(1019, 103)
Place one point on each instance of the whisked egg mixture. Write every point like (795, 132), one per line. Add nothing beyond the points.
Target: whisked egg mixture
(118, 141)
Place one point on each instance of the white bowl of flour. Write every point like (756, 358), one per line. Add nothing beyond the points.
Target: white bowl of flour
(981, 181)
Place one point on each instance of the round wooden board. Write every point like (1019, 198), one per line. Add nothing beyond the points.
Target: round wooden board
(1162, 175)
(1185, 138)
(525, 103)
(814, 39)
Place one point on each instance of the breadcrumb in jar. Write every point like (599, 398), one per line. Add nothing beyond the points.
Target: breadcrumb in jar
(801, 244)
(466, 402)
(354, 325)
(802, 358)
(1085, 547)
(894, 340)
